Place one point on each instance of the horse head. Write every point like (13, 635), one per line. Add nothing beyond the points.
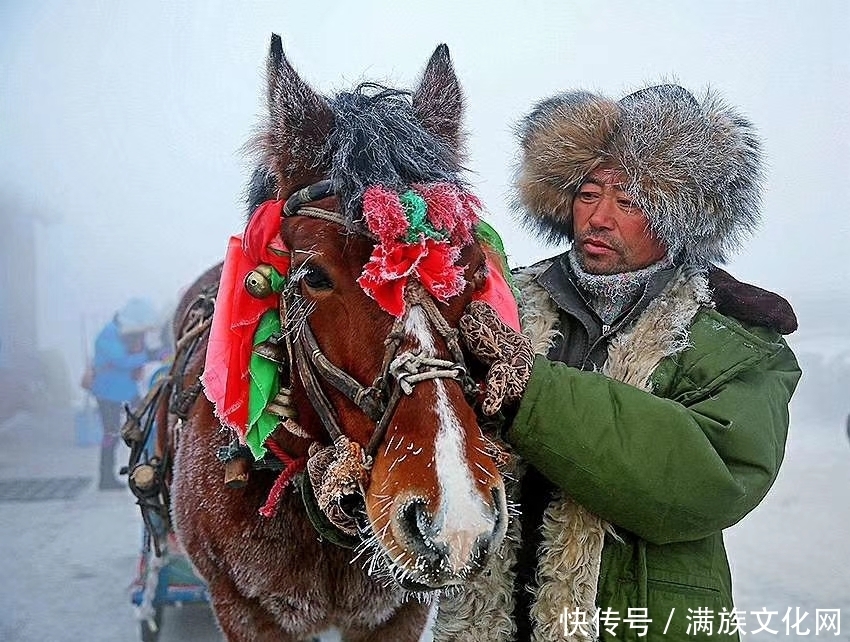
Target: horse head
(372, 300)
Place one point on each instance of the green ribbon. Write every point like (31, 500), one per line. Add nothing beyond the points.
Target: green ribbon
(264, 379)
(277, 280)
(490, 237)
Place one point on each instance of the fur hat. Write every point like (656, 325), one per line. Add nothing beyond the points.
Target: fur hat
(693, 167)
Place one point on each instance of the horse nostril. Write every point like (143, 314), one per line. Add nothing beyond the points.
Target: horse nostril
(500, 506)
(480, 552)
(419, 531)
(416, 521)
(455, 543)
(353, 506)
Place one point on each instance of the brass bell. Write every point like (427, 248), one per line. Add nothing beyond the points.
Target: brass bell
(271, 351)
(236, 472)
(258, 281)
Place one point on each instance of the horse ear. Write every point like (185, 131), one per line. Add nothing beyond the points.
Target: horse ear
(276, 59)
(438, 101)
(299, 120)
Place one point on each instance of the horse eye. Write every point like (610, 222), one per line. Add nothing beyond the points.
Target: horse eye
(317, 279)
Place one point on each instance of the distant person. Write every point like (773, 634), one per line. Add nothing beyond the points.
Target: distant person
(120, 353)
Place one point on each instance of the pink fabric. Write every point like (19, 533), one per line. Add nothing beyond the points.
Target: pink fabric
(384, 214)
(497, 292)
(451, 209)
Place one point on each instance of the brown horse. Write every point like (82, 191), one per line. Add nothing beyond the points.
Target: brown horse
(421, 495)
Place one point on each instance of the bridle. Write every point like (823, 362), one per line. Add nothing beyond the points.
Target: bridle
(400, 371)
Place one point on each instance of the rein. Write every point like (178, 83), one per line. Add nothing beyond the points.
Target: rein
(149, 465)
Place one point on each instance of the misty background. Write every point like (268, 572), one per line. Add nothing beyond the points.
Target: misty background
(121, 125)
(121, 175)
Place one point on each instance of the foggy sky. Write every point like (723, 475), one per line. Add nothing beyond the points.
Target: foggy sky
(121, 123)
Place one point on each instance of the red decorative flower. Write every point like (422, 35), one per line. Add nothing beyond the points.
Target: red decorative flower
(384, 214)
(410, 232)
(392, 264)
(451, 209)
(437, 270)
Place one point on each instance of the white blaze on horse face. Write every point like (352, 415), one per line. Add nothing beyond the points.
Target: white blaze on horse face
(462, 515)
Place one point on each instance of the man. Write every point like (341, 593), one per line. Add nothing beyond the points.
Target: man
(120, 354)
(655, 412)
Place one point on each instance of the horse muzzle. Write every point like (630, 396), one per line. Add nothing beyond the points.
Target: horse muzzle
(443, 555)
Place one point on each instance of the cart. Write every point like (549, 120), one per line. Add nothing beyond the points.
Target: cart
(165, 580)
(165, 576)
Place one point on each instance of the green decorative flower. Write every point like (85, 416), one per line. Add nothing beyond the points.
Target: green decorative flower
(416, 210)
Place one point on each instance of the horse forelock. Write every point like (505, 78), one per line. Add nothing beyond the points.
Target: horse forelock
(378, 140)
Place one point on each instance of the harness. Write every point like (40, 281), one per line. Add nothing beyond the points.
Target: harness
(400, 372)
(339, 470)
(149, 465)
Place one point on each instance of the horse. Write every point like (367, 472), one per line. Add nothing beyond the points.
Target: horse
(402, 496)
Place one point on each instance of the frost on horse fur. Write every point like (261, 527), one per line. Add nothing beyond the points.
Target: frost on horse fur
(411, 480)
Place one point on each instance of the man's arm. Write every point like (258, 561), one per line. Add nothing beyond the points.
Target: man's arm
(661, 469)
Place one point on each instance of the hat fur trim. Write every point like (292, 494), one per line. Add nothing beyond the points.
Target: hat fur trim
(693, 167)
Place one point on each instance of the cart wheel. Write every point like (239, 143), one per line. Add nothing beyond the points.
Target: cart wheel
(151, 634)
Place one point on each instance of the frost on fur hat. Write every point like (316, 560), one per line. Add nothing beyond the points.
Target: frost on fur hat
(693, 167)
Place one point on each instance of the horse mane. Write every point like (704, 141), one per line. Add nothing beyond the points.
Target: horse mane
(262, 187)
(378, 140)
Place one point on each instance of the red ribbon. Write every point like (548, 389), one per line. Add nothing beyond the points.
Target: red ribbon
(393, 264)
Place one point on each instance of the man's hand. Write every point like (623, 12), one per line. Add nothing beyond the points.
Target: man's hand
(508, 353)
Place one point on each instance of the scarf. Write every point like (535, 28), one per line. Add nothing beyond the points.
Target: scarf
(611, 294)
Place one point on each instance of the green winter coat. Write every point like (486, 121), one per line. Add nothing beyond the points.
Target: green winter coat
(670, 470)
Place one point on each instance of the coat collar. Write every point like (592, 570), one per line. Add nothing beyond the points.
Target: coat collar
(560, 284)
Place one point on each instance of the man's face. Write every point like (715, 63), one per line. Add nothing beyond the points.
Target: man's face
(611, 234)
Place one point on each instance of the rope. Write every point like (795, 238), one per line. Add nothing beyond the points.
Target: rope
(409, 369)
(292, 465)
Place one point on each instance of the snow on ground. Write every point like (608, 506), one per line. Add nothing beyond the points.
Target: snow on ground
(67, 565)
(794, 549)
